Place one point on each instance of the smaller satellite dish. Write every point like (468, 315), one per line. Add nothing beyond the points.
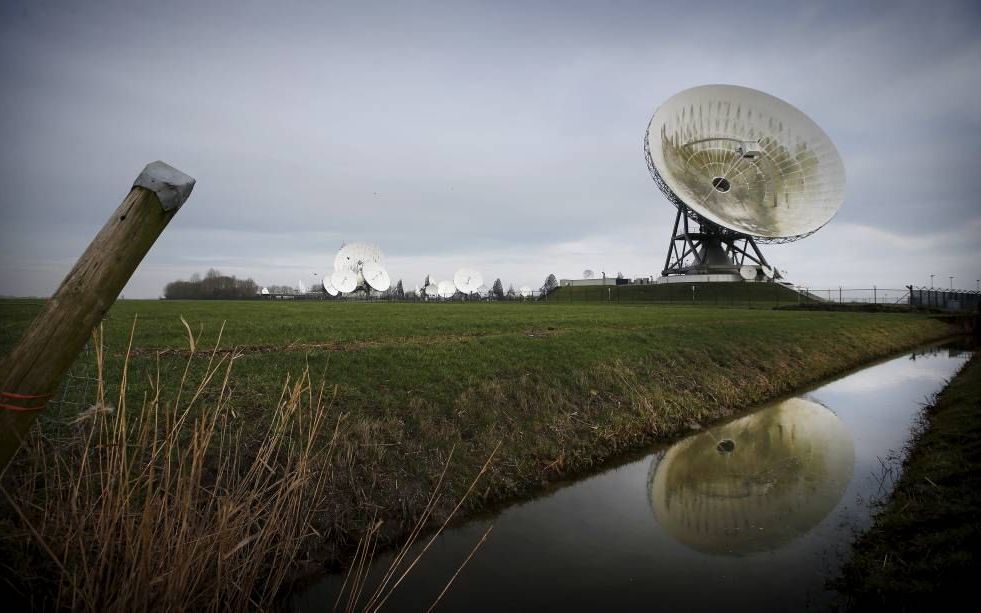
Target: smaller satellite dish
(467, 280)
(525, 291)
(748, 272)
(446, 289)
(768, 272)
(264, 292)
(432, 290)
(588, 274)
(483, 291)
(345, 281)
(376, 277)
(329, 287)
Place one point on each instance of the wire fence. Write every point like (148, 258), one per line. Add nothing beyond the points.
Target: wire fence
(945, 300)
(77, 390)
(774, 294)
(720, 294)
(858, 295)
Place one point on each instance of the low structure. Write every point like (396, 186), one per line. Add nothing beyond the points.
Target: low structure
(591, 282)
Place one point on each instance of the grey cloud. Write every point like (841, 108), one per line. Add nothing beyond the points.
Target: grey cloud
(452, 130)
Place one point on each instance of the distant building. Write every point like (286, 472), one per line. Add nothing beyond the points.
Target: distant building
(588, 282)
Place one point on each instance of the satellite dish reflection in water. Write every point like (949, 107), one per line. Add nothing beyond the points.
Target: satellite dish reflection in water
(756, 483)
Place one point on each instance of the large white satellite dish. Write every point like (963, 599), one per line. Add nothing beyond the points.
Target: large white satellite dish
(345, 281)
(483, 291)
(525, 291)
(432, 290)
(467, 280)
(446, 289)
(365, 263)
(743, 166)
(376, 277)
(329, 287)
(354, 256)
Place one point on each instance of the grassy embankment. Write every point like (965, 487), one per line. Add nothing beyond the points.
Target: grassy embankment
(564, 387)
(923, 549)
(760, 295)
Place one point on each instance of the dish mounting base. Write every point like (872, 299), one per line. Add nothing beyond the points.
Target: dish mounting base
(703, 248)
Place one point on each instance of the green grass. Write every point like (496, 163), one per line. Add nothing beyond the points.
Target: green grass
(924, 546)
(564, 386)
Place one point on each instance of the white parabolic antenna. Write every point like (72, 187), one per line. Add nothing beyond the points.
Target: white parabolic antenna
(467, 280)
(745, 167)
(432, 290)
(361, 260)
(376, 277)
(446, 289)
(264, 292)
(329, 287)
(525, 291)
(344, 281)
(748, 272)
(483, 291)
(354, 256)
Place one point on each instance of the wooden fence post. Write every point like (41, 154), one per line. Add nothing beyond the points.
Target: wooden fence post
(32, 370)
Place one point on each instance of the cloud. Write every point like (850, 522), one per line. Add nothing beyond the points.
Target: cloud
(507, 134)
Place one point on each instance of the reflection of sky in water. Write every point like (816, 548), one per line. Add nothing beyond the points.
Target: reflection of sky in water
(595, 545)
(893, 372)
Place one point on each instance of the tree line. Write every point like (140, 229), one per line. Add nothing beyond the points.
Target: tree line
(213, 286)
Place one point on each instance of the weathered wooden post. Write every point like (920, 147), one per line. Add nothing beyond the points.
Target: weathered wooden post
(32, 370)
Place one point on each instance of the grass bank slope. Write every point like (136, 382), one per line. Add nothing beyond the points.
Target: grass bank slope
(923, 549)
(714, 294)
(562, 387)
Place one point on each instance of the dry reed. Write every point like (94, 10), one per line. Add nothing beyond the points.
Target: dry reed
(159, 508)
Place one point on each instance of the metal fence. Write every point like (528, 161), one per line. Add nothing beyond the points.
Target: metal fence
(945, 300)
(721, 294)
(857, 295)
(776, 294)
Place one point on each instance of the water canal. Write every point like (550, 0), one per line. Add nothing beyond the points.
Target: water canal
(756, 512)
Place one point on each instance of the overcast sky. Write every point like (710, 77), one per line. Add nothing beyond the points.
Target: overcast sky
(506, 136)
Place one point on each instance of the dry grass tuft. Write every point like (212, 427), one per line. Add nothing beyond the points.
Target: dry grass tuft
(158, 508)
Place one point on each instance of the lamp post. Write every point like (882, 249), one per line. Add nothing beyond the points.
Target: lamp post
(951, 283)
(931, 281)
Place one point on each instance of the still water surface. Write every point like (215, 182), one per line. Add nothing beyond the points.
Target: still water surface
(756, 512)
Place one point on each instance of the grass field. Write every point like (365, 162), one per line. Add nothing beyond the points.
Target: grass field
(561, 386)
